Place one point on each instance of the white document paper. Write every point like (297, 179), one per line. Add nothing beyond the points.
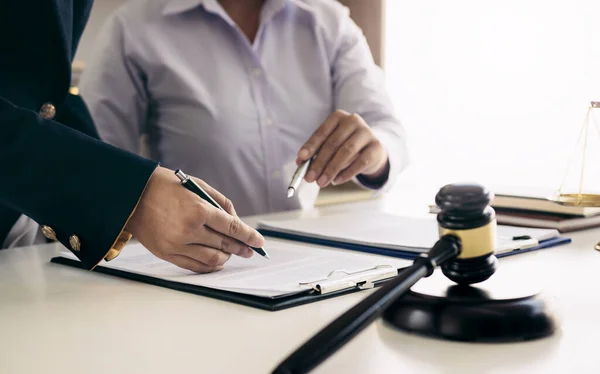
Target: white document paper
(389, 231)
(290, 265)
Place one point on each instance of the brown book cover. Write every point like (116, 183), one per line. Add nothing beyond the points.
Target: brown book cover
(523, 218)
(536, 199)
(543, 220)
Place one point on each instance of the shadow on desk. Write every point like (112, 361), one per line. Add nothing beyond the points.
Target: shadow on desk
(486, 357)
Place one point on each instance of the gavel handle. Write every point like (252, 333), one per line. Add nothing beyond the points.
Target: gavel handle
(348, 325)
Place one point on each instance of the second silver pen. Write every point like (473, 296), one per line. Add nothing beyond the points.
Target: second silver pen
(298, 177)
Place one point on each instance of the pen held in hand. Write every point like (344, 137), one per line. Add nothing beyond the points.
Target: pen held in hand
(189, 183)
(298, 177)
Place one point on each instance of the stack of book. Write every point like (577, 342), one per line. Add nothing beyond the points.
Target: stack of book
(535, 210)
(532, 208)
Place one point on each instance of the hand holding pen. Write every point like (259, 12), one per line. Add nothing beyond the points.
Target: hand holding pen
(235, 223)
(343, 147)
(181, 228)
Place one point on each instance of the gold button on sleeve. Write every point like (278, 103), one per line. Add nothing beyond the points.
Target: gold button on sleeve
(48, 111)
(75, 243)
(48, 232)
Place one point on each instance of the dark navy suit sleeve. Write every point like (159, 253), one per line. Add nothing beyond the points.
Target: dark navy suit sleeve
(52, 166)
(67, 180)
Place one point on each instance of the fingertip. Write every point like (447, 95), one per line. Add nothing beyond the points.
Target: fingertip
(303, 154)
(322, 182)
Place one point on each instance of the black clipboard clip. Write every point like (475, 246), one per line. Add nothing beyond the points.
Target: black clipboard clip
(339, 280)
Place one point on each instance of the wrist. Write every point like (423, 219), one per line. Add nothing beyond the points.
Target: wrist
(378, 177)
(379, 171)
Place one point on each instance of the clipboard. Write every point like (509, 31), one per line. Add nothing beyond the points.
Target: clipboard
(396, 236)
(398, 253)
(337, 283)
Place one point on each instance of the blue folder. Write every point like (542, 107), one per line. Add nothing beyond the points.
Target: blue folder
(409, 255)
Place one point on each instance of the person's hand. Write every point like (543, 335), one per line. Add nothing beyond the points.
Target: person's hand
(345, 147)
(178, 226)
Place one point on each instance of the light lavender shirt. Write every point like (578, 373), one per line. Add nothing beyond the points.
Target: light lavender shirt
(231, 112)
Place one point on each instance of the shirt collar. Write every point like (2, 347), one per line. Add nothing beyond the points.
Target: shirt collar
(181, 6)
(302, 5)
(270, 8)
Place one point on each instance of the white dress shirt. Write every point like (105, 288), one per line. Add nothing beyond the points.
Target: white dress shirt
(229, 111)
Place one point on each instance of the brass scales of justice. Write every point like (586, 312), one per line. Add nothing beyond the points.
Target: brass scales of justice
(580, 197)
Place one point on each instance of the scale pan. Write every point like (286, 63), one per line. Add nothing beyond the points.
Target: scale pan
(577, 199)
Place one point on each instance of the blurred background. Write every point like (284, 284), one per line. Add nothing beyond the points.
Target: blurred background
(495, 90)
(489, 91)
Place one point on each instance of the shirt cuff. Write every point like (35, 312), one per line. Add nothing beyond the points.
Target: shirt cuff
(115, 250)
(397, 159)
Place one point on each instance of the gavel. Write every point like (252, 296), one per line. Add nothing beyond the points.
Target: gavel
(465, 253)
(466, 216)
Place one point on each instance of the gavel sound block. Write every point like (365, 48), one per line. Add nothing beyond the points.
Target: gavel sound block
(464, 302)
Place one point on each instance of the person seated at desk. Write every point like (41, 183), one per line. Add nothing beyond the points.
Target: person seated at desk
(232, 90)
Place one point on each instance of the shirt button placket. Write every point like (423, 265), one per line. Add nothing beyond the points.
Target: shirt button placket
(267, 136)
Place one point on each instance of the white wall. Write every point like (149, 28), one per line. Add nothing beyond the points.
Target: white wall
(494, 90)
(101, 9)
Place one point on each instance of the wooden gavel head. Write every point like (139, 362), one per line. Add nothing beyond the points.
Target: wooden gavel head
(466, 214)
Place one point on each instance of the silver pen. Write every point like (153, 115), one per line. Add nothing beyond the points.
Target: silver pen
(298, 177)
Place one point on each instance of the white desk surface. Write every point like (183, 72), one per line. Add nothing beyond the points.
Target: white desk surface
(55, 319)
